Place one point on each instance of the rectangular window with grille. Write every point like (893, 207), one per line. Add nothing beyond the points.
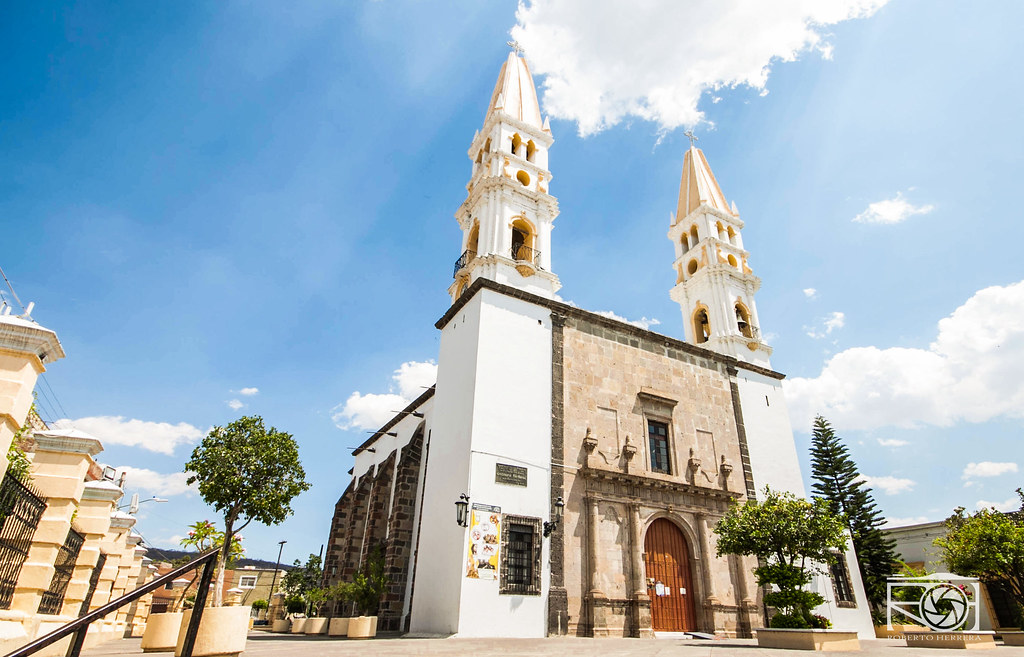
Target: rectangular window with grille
(20, 511)
(64, 568)
(657, 433)
(841, 583)
(520, 555)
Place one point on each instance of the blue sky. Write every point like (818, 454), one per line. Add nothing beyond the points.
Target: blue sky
(208, 198)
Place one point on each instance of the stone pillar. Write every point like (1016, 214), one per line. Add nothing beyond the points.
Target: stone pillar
(116, 541)
(131, 566)
(98, 500)
(598, 600)
(139, 610)
(24, 347)
(59, 465)
(276, 611)
(750, 612)
(641, 599)
(710, 601)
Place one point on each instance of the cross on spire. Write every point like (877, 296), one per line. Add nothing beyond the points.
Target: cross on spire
(692, 137)
(516, 48)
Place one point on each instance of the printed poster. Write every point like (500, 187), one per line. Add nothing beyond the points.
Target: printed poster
(484, 542)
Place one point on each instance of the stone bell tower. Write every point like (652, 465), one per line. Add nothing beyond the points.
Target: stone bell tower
(715, 285)
(507, 216)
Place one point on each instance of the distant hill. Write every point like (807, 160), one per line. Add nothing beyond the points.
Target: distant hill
(169, 554)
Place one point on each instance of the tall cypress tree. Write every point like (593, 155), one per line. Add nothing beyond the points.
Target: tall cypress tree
(837, 480)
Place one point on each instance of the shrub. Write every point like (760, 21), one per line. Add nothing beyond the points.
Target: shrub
(260, 605)
(788, 621)
(819, 622)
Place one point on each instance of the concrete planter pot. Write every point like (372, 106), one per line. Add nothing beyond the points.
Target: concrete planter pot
(953, 640)
(222, 631)
(897, 631)
(1012, 638)
(338, 627)
(362, 627)
(281, 625)
(316, 626)
(794, 639)
(161, 633)
(299, 625)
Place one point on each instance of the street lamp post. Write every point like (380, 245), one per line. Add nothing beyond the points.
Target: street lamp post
(273, 580)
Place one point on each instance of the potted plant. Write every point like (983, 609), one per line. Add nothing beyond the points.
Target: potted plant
(315, 599)
(365, 591)
(161, 633)
(792, 539)
(335, 595)
(247, 472)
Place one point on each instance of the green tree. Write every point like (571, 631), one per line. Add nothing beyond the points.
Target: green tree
(837, 480)
(247, 472)
(791, 538)
(988, 545)
(303, 578)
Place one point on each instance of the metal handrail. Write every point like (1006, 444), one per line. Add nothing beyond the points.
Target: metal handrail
(80, 626)
(523, 253)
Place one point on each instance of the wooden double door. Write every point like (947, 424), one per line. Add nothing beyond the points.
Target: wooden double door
(667, 562)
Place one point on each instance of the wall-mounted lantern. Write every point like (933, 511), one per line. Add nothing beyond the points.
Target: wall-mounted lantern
(549, 526)
(462, 511)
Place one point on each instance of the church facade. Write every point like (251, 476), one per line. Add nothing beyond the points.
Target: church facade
(591, 458)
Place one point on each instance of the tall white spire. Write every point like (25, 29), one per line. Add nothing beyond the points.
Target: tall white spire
(715, 285)
(507, 217)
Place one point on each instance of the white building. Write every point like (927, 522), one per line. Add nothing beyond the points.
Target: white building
(640, 439)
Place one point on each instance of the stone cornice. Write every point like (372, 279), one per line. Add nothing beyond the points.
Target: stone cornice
(101, 490)
(621, 328)
(624, 486)
(54, 442)
(26, 337)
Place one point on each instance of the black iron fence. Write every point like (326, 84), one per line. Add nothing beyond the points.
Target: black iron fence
(64, 568)
(20, 511)
(523, 253)
(464, 259)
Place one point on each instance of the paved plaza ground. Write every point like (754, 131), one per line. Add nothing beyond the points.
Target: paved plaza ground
(266, 644)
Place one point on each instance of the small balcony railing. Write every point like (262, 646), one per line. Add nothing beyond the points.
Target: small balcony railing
(523, 253)
(464, 259)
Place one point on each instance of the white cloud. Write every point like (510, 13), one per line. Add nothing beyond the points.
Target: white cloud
(810, 293)
(892, 442)
(235, 404)
(248, 392)
(161, 437)
(371, 411)
(643, 322)
(888, 484)
(891, 211)
(1012, 504)
(160, 485)
(833, 321)
(970, 373)
(605, 61)
(988, 469)
(903, 522)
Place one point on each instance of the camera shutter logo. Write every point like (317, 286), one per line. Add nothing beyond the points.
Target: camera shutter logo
(945, 602)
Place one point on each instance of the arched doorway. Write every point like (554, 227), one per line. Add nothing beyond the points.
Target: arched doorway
(667, 566)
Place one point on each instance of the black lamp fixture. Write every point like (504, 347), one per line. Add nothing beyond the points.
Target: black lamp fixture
(551, 525)
(462, 510)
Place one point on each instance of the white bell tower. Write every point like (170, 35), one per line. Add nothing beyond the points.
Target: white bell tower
(507, 217)
(715, 286)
